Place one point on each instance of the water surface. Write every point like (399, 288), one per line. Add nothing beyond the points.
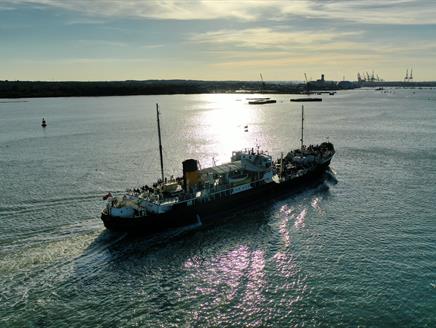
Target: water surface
(358, 249)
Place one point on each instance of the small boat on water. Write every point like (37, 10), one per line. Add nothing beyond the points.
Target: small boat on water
(331, 93)
(43, 123)
(204, 195)
(262, 101)
(306, 99)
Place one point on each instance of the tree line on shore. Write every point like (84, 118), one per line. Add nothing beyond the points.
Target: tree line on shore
(29, 89)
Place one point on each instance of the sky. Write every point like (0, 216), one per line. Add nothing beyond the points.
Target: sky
(89, 40)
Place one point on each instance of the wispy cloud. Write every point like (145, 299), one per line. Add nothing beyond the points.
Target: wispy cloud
(164, 9)
(153, 46)
(84, 21)
(83, 60)
(267, 47)
(6, 7)
(289, 60)
(401, 12)
(100, 43)
(267, 38)
(336, 49)
(363, 11)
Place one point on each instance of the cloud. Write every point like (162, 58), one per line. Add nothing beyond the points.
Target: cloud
(84, 21)
(100, 43)
(267, 47)
(289, 59)
(362, 11)
(267, 38)
(153, 46)
(6, 7)
(334, 50)
(82, 60)
(164, 9)
(401, 12)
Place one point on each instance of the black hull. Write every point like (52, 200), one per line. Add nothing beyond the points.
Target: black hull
(183, 215)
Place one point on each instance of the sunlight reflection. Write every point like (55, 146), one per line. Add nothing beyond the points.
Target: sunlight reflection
(238, 277)
(299, 221)
(253, 297)
(220, 275)
(228, 124)
(315, 203)
(284, 232)
(285, 211)
(234, 266)
(285, 216)
(238, 272)
(285, 265)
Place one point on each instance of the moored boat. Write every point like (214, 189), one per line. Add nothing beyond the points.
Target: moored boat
(305, 99)
(262, 101)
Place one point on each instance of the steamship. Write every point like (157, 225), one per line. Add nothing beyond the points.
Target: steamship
(204, 194)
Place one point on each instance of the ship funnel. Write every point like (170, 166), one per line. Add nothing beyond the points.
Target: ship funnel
(190, 173)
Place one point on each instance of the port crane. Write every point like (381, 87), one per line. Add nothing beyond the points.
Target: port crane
(408, 77)
(307, 83)
(366, 77)
(262, 88)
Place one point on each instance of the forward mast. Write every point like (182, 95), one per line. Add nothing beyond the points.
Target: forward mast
(160, 143)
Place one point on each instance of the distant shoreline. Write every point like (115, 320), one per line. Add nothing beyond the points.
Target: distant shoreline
(39, 89)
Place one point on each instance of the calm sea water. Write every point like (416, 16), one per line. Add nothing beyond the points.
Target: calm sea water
(358, 249)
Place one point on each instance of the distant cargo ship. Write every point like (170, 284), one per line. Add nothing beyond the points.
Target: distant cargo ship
(200, 194)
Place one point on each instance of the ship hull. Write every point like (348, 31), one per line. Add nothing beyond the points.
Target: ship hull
(212, 211)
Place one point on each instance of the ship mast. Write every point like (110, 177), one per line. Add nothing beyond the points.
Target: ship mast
(302, 126)
(160, 142)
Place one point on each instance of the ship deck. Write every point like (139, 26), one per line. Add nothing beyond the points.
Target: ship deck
(223, 168)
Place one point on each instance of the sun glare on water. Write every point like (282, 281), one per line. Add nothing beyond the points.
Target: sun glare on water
(228, 124)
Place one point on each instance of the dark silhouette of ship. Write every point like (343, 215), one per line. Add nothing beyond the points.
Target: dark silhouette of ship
(201, 194)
